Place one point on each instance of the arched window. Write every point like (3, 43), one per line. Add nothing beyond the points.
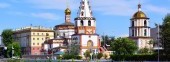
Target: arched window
(82, 8)
(132, 32)
(76, 23)
(132, 23)
(82, 13)
(83, 2)
(81, 22)
(145, 32)
(91, 13)
(89, 23)
(145, 23)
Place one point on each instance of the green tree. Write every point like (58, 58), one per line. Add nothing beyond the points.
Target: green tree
(87, 54)
(16, 49)
(75, 49)
(144, 51)
(151, 42)
(123, 46)
(99, 55)
(165, 34)
(7, 37)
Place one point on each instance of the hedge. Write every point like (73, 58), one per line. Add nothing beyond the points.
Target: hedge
(152, 57)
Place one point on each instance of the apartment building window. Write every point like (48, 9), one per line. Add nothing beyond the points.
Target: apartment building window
(33, 38)
(37, 38)
(47, 34)
(37, 33)
(42, 38)
(42, 34)
(37, 43)
(33, 43)
(33, 33)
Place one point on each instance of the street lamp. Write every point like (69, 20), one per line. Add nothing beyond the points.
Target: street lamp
(5, 48)
(91, 55)
(158, 41)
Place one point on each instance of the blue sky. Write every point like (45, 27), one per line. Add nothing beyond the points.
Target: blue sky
(112, 15)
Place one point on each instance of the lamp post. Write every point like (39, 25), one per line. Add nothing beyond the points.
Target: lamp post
(158, 41)
(91, 56)
(5, 48)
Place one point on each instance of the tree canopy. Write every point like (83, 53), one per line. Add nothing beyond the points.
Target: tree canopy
(165, 34)
(7, 37)
(9, 42)
(123, 46)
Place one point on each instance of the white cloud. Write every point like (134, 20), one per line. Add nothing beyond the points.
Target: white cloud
(4, 5)
(106, 7)
(53, 4)
(157, 9)
(48, 16)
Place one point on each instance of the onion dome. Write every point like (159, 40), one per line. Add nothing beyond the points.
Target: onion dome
(139, 13)
(67, 11)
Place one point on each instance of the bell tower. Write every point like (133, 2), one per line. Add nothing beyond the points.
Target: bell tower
(139, 29)
(85, 30)
(85, 22)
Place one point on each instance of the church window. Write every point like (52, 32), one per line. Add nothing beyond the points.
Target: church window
(145, 32)
(82, 7)
(91, 13)
(82, 13)
(89, 23)
(132, 23)
(89, 6)
(132, 32)
(81, 22)
(145, 23)
(64, 34)
(83, 2)
(135, 32)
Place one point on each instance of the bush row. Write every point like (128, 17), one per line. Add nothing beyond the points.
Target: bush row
(70, 56)
(152, 57)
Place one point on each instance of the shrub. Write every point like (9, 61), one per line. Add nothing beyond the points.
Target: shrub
(99, 55)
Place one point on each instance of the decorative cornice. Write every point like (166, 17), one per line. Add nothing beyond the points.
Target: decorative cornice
(85, 18)
(85, 34)
(137, 37)
(139, 27)
(139, 18)
(32, 30)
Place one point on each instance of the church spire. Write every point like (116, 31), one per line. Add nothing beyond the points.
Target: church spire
(67, 13)
(85, 9)
(139, 6)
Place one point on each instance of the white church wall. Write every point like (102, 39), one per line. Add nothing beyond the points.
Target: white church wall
(86, 38)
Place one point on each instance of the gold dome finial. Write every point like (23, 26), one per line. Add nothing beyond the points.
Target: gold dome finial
(139, 13)
(67, 11)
